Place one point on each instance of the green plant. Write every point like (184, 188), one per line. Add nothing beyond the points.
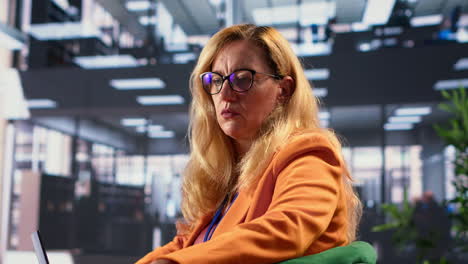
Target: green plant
(406, 234)
(456, 134)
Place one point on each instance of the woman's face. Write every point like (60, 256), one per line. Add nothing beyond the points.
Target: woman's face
(240, 115)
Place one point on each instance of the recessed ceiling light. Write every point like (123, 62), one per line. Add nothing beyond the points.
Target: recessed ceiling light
(161, 134)
(324, 115)
(317, 12)
(324, 122)
(360, 27)
(137, 84)
(133, 121)
(137, 6)
(311, 49)
(462, 64)
(41, 103)
(142, 129)
(451, 84)
(412, 111)
(430, 20)
(317, 74)
(160, 99)
(67, 30)
(377, 12)
(404, 119)
(111, 61)
(320, 92)
(398, 126)
(146, 20)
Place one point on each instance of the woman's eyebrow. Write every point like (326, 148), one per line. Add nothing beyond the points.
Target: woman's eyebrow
(236, 69)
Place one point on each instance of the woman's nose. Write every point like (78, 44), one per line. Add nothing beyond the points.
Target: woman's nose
(227, 93)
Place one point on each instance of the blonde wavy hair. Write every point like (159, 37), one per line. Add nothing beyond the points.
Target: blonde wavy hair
(213, 169)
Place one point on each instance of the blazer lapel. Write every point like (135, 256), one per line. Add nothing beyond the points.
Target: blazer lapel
(198, 228)
(235, 215)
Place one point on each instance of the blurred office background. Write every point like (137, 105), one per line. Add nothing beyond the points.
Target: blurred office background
(94, 100)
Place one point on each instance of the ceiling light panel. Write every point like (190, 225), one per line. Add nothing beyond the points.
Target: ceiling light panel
(161, 134)
(41, 103)
(462, 64)
(138, 84)
(160, 100)
(378, 12)
(324, 115)
(317, 12)
(146, 20)
(320, 92)
(133, 121)
(451, 84)
(138, 6)
(404, 119)
(68, 30)
(398, 126)
(422, 21)
(317, 74)
(411, 111)
(102, 62)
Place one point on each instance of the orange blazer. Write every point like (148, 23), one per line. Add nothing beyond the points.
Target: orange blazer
(298, 208)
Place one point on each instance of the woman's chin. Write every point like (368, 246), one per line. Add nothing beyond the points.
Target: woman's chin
(235, 134)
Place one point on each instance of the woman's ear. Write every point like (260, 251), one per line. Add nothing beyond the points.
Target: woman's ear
(287, 86)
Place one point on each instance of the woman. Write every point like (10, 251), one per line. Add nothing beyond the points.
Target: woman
(264, 182)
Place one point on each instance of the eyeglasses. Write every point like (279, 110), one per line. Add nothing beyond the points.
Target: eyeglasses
(240, 80)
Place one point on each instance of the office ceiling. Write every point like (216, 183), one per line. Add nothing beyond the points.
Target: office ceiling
(199, 17)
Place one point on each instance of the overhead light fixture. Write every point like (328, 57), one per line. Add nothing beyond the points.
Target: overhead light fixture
(68, 30)
(317, 74)
(138, 84)
(422, 21)
(365, 47)
(324, 115)
(133, 122)
(161, 134)
(359, 27)
(377, 12)
(111, 61)
(321, 92)
(160, 99)
(184, 58)
(324, 122)
(146, 20)
(317, 12)
(462, 64)
(398, 126)
(312, 49)
(216, 2)
(451, 84)
(404, 119)
(151, 128)
(412, 111)
(11, 38)
(137, 6)
(41, 103)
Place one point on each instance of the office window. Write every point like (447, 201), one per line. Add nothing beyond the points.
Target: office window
(103, 162)
(366, 168)
(130, 170)
(57, 153)
(449, 154)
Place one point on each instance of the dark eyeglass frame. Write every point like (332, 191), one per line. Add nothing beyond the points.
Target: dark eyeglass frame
(253, 72)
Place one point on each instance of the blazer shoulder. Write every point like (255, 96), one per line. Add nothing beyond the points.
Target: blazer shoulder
(307, 142)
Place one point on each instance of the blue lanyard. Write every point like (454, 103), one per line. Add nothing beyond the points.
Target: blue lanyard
(217, 218)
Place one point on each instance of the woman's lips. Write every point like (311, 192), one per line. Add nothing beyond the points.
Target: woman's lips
(228, 114)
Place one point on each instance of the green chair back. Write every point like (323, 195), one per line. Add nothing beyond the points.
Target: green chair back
(355, 253)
